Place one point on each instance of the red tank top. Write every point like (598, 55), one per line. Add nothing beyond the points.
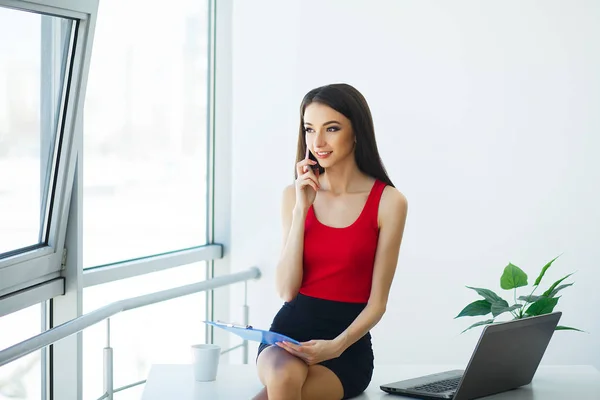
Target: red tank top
(338, 262)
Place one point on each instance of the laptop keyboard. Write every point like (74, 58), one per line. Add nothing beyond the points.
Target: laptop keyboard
(439, 386)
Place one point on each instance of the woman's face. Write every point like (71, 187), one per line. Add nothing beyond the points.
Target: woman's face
(329, 134)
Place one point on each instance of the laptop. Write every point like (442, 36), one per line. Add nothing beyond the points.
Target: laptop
(506, 357)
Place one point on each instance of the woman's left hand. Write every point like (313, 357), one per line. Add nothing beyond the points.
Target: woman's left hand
(313, 351)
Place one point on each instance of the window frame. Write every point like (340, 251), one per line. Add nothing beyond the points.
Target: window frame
(37, 264)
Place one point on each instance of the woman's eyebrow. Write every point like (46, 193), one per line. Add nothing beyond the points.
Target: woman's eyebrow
(326, 123)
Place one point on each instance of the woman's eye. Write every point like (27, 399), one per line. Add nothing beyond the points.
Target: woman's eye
(329, 129)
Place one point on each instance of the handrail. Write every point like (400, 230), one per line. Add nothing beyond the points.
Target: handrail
(75, 325)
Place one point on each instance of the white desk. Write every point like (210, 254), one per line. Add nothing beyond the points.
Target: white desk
(176, 381)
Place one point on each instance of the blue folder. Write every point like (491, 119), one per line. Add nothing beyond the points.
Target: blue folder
(250, 333)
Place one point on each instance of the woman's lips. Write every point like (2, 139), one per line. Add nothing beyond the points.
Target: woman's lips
(323, 154)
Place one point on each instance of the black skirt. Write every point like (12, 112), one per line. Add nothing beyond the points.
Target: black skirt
(308, 318)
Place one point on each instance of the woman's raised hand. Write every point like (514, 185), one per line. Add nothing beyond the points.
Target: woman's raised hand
(307, 183)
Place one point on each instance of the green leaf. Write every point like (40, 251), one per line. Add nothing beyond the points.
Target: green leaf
(479, 307)
(498, 309)
(558, 289)
(544, 305)
(554, 285)
(567, 328)
(489, 295)
(539, 278)
(530, 299)
(486, 322)
(513, 277)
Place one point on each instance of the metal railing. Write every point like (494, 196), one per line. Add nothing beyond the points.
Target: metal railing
(104, 313)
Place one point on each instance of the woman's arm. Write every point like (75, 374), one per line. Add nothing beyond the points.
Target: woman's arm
(297, 199)
(289, 268)
(392, 215)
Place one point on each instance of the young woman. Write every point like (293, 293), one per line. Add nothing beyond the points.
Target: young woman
(343, 222)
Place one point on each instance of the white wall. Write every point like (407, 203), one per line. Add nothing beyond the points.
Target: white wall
(487, 119)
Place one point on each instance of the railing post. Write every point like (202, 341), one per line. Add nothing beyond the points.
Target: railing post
(108, 364)
(246, 317)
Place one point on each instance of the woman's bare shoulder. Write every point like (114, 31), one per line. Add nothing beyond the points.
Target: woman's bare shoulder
(289, 190)
(393, 204)
(288, 198)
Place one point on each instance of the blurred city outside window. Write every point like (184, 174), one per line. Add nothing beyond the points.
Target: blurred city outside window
(145, 131)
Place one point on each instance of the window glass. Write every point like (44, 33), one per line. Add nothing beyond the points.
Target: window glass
(32, 71)
(21, 379)
(145, 131)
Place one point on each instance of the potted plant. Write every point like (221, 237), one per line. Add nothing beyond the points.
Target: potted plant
(525, 306)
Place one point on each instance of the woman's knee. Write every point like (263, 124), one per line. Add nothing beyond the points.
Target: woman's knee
(278, 368)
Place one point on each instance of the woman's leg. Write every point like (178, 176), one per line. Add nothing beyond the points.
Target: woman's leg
(322, 384)
(282, 374)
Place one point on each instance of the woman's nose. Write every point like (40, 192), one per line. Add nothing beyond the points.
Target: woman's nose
(319, 140)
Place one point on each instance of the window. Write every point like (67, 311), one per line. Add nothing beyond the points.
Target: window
(40, 86)
(145, 183)
(145, 131)
(27, 141)
(140, 146)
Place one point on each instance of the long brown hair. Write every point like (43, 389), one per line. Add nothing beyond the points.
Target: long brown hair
(348, 101)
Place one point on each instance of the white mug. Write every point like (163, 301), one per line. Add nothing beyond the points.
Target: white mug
(206, 361)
